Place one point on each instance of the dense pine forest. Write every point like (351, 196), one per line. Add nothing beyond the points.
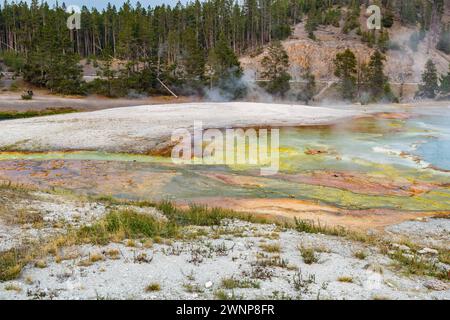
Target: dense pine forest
(189, 46)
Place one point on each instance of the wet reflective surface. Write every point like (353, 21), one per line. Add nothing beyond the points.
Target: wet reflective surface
(390, 161)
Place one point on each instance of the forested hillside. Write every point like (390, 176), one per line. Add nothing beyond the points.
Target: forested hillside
(187, 46)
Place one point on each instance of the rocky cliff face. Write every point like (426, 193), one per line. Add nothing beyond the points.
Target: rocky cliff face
(403, 65)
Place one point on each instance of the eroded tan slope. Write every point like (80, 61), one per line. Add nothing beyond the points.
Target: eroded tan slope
(402, 65)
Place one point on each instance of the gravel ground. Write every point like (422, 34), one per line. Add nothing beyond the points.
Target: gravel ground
(236, 250)
(55, 213)
(428, 232)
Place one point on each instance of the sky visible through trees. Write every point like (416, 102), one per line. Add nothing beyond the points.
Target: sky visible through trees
(102, 4)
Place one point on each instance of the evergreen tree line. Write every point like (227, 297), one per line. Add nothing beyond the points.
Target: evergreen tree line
(434, 85)
(365, 82)
(189, 47)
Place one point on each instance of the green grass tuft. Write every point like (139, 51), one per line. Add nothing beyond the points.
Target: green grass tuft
(309, 255)
(8, 115)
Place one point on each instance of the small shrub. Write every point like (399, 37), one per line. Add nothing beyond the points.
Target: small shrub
(11, 264)
(345, 279)
(192, 288)
(265, 261)
(95, 257)
(232, 283)
(361, 255)
(13, 287)
(223, 295)
(41, 264)
(153, 287)
(309, 255)
(271, 248)
(113, 254)
(26, 96)
(302, 283)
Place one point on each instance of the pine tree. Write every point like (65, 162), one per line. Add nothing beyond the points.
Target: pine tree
(408, 12)
(193, 60)
(225, 70)
(445, 84)
(388, 18)
(444, 40)
(345, 70)
(310, 88)
(377, 78)
(429, 85)
(275, 67)
(383, 41)
(352, 18)
(311, 24)
(108, 74)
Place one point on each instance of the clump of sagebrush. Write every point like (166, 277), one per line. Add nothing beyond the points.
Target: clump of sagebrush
(222, 295)
(302, 283)
(309, 255)
(361, 255)
(266, 261)
(233, 283)
(418, 265)
(192, 288)
(153, 287)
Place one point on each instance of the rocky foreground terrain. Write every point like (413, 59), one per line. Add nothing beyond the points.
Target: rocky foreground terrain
(61, 246)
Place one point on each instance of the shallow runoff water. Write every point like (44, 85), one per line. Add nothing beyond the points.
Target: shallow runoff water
(399, 148)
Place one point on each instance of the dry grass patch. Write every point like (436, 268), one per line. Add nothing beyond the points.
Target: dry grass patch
(13, 287)
(345, 279)
(95, 257)
(153, 287)
(265, 261)
(361, 255)
(223, 295)
(131, 243)
(418, 265)
(232, 283)
(25, 216)
(271, 247)
(113, 254)
(41, 264)
(309, 255)
(11, 263)
(192, 288)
